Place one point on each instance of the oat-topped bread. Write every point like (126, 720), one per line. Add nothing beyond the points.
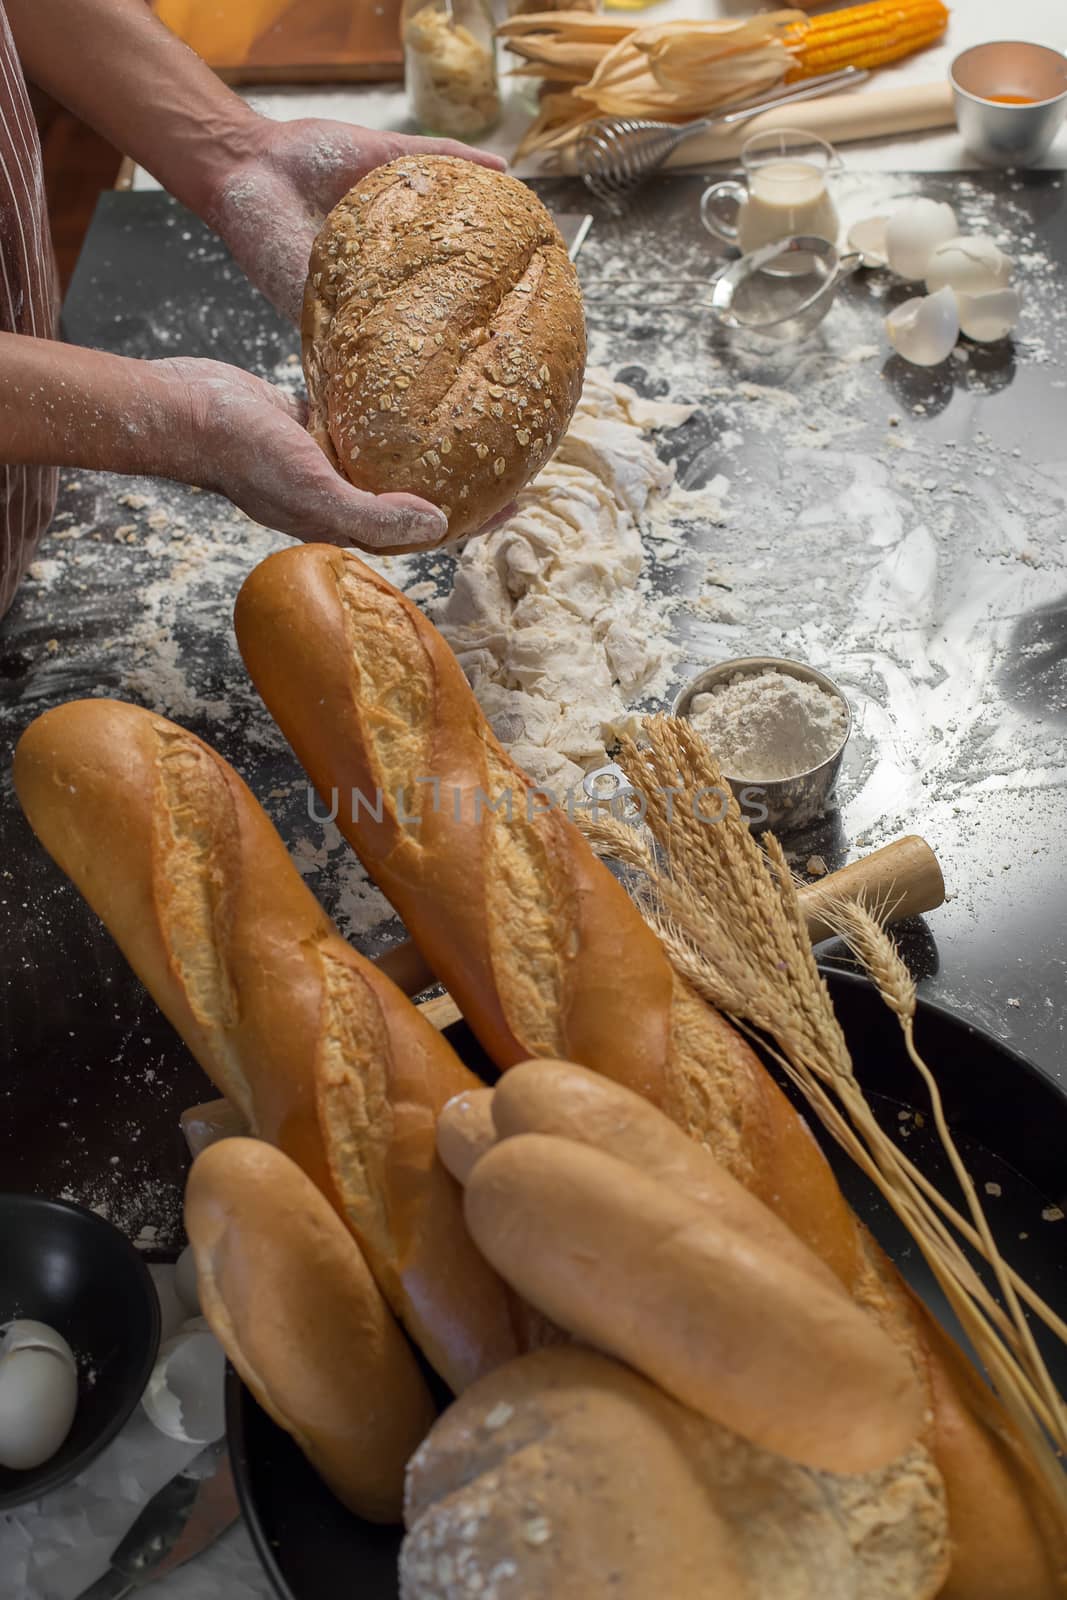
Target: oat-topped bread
(444, 341)
(566, 1476)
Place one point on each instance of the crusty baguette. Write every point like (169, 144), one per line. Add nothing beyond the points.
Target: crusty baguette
(717, 1320)
(547, 956)
(293, 1304)
(172, 850)
(565, 1476)
(526, 928)
(444, 341)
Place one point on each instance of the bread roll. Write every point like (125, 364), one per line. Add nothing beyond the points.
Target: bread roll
(564, 1476)
(558, 1097)
(444, 340)
(725, 1326)
(293, 1304)
(465, 1131)
(546, 956)
(173, 851)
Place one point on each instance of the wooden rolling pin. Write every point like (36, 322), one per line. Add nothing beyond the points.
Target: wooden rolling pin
(862, 114)
(904, 877)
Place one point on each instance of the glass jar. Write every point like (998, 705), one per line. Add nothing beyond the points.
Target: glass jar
(450, 67)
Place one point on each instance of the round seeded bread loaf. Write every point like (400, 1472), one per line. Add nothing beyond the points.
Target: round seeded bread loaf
(566, 1476)
(444, 341)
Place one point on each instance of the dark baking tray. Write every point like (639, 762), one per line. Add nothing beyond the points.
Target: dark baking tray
(1011, 1124)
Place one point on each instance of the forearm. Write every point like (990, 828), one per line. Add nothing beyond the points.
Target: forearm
(63, 406)
(200, 422)
(120, 70)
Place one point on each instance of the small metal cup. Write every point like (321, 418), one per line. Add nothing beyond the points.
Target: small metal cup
(1001, 134)
(789, 802)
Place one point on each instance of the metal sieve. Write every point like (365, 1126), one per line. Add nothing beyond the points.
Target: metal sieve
(761, 292)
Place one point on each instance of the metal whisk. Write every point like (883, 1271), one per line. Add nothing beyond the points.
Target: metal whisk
(616, 154)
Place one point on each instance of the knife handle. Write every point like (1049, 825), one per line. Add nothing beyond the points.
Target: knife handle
(112, 1586)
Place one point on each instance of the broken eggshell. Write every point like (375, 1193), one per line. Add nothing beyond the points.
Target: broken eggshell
(988, 317)
(924, 330)
(868, 237)
(970, 264)
(185, 1398)
(914, 232)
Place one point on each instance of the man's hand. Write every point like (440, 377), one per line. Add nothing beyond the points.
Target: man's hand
(246, 439)
(265, 186)
(200, 422)
(272, 201)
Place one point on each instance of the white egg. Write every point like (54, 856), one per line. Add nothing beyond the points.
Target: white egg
(914, 232)
(987, 317)
(38, 1394)
(970, 264)
(185, 1398)
(924, 330)
(25, 1334)
(868, 237)
(185, 1281)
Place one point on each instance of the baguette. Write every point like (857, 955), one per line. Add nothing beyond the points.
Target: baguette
(292, 1302)
(314, 1047)
(565, 1476)
(547, 956)
(525, 927)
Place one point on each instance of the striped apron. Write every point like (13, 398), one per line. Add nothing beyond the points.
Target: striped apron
(29, 303)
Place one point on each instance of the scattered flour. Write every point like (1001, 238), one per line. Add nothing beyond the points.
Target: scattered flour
(767, 725)
(547, 615)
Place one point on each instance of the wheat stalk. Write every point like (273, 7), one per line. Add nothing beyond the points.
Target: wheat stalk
(727, 913)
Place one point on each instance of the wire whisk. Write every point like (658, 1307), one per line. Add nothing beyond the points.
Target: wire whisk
(616, 154)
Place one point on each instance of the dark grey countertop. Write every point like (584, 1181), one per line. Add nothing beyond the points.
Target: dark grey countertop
(900, 528)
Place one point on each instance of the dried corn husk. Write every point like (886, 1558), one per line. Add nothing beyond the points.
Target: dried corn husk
(559, 118)
(673, 71)
(577, 25)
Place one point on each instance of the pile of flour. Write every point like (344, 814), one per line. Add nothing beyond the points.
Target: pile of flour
(766, 725)
(547, 614)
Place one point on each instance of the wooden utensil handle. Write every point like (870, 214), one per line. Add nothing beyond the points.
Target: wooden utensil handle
(903, 879)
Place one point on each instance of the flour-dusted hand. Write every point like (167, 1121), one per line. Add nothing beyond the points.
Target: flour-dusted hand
(270, 204)
(246, 439)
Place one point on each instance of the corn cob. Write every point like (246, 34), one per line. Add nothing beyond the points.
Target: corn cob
(864, 36)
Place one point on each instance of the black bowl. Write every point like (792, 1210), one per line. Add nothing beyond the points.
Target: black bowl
(1010, 1122)
(66, 1266)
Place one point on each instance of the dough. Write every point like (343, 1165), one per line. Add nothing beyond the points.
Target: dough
(547, 614)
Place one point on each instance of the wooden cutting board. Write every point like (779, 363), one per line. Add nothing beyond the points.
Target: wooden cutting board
(291, 41)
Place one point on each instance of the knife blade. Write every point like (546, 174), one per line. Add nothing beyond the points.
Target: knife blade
(188, 1514)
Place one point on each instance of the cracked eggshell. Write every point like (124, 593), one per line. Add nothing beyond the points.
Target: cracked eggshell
(924, 330)
(185, 1398)
(988, 317)
(38, 1394)
(914, 233)
(970, 264)
(868, 237)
